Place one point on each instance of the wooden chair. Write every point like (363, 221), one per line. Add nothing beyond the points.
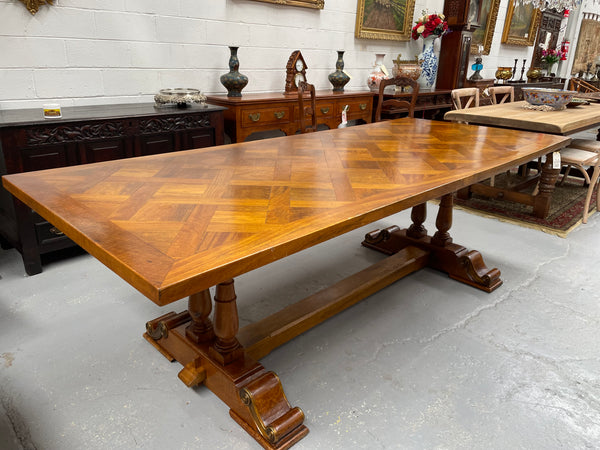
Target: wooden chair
(310, 110)
(578, 158)
(464, 98)
(396, 105)
(502, 93)
(579, 85)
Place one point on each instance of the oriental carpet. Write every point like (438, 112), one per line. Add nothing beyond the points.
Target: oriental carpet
(566, 208)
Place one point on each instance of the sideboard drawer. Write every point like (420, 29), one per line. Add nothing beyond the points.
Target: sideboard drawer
(356, 108)
(325, 109)
(266, 116)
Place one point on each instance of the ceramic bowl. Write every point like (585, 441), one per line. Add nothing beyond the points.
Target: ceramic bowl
(556, 98)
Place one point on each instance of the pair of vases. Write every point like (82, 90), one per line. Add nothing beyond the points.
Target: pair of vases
(234, 81)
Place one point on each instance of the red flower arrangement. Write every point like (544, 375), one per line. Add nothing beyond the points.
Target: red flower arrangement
(430, 24)
(551, 56)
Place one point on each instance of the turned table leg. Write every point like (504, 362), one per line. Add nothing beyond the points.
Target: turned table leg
(199, 307)
(548, 179)
(443, 222)
(418, 215)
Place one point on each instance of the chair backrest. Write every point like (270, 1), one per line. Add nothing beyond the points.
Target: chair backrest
(310, 110)
(579, 85)
(397, 104)
(465, 98)
(502, 94)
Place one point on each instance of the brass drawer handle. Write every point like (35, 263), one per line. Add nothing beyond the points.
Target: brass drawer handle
(56, 231)
(363, 106)
(279, 114)
(324, 110)
(254, 117)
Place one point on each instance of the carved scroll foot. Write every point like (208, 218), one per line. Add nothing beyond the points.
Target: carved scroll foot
(211, 355)
(277, 425)
(458, 262)
(471, 269)
(159, 328)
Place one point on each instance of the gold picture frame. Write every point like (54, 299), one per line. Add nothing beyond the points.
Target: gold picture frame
(488, 16)
(33, 5)
(520, 26)
(317, 4)
(375, 21)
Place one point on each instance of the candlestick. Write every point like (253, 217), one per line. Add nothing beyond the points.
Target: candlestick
(515, 68)
(522, 70)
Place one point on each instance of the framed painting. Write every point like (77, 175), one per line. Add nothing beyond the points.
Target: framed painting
(521, 24)
(317, 4)
(488, 14)
(391, 21)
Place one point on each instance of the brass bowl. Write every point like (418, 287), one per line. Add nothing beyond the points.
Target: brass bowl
(504, 73)
(534, 73)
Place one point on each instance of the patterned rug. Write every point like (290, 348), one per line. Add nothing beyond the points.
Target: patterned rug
(566, 208)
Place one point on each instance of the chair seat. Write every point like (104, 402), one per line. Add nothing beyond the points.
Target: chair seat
(586, 144)
(580, 158)
(570, 155)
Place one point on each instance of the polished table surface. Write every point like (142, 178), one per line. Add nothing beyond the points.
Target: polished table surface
(514, 115)
(174, 225)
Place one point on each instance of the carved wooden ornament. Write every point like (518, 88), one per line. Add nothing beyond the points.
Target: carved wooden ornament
(33, 5)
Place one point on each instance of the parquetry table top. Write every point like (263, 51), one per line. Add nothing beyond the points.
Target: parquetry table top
(175, 224)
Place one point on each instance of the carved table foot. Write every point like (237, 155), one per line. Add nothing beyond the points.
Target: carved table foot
(211, 355)
(460, 264)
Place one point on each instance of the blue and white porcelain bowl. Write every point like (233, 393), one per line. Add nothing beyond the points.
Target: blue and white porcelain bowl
(556, 98)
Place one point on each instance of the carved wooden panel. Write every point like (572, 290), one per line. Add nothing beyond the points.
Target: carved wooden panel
(166, 124)
(73, 133)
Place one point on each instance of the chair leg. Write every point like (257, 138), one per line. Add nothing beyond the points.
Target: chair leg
(565, 175)
(588, 197)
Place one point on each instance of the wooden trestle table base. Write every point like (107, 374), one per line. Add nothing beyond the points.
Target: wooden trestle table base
(513, 115)
(174, 225)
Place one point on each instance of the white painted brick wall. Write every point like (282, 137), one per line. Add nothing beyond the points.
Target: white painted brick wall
(81, 52)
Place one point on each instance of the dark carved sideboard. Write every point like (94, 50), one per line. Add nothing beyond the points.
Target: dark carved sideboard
(83, 135)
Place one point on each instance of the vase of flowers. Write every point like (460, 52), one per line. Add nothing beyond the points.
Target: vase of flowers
(429, 27)
(550, 57)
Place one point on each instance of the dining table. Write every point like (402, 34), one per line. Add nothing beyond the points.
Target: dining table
(521, 116)
(186, 224)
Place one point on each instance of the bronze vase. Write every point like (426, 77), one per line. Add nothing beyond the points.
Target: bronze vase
(234, 81)
(339, 78)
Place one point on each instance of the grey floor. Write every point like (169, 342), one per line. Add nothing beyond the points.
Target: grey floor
(427, 363)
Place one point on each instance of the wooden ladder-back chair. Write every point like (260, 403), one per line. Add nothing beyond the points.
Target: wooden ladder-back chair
(310, 110)
(464, 98)
(580, 159)
(579, 85)
(397, 105)
(502, 94)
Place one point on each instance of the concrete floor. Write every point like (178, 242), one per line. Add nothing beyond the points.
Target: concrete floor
(426, 363)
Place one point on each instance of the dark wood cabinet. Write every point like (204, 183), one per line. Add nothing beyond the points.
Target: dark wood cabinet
(84, 135)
